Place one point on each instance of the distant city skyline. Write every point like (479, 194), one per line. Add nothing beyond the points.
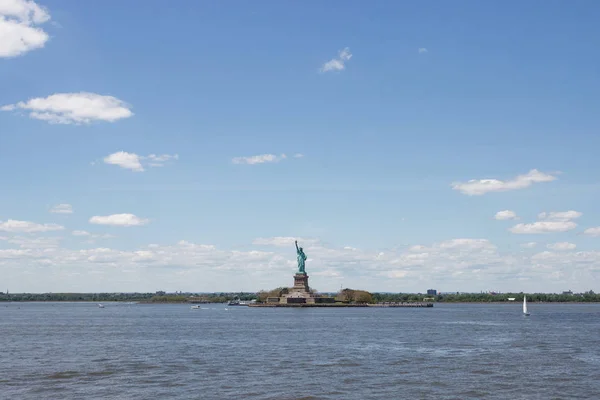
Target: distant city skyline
(404, 146)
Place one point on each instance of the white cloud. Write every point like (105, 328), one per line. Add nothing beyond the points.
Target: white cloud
(74, 108)
(423, 50)
(592, 231)
(136, 162)
(163, 157)
(560, 246)
(125, 160)
(119, 220)
(14, 253)
(260, 159)
(91, 237)
(559, 215)
(159, 160)
(564, 263)
(24, 10)
(298, 155)
(19, 27)
(36, 242)
(457, 264)
(528, 245)
(467, 244)
(551, 222)
(477, 187)
(28, 227)
(504, 215)
(62, 209)
(339, 63)
(544, 227)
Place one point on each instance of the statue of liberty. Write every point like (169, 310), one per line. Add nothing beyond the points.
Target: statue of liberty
(301, 259)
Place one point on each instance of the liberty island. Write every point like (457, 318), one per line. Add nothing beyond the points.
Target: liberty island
(300, 295)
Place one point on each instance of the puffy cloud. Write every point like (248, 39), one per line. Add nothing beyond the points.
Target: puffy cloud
(592, 231)
(119, 220)
(504, 215)
(554, 221)
(561, 246)
(468, 244)
(338, 63)
(544, 227)
(559, 215)
(159, 160)
(455, 264)
(578, 267)
(62, 209)
(136, 162)
(14, 253)
(260, 159)
(36, 242)
(73, 108)
(20, 30)
(89, 235)
(125, 160)
(28, 227)
(478, 187)
(26, 11)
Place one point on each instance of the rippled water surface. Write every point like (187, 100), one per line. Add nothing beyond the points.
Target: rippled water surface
(79, 351)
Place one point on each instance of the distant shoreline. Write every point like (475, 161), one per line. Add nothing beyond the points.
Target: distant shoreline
(104, 301)
(345, 295)
(517, 302)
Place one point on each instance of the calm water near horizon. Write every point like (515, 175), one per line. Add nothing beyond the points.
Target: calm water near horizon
(451, 351)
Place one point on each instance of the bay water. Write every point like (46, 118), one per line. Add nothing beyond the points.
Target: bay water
(451, 351)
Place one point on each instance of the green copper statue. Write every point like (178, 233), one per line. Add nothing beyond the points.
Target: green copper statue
(301, 259)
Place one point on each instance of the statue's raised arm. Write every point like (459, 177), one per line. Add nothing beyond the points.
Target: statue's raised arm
(296, 246)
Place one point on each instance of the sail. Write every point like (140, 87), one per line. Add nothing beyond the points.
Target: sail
(524, 304)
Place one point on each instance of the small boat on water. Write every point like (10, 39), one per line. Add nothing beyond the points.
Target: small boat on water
(525, 312)
(100, 306)
(238, 302)
(195, 307)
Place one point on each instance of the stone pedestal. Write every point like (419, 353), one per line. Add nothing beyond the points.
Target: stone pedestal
(301, 283)
(300, 293)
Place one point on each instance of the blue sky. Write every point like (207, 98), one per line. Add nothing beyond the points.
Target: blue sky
(419, 97)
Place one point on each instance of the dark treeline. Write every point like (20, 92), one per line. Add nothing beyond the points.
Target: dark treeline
(489, 297)
(346, 294)
(158, 297)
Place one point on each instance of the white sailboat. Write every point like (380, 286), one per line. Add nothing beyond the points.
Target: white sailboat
(525, 306)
